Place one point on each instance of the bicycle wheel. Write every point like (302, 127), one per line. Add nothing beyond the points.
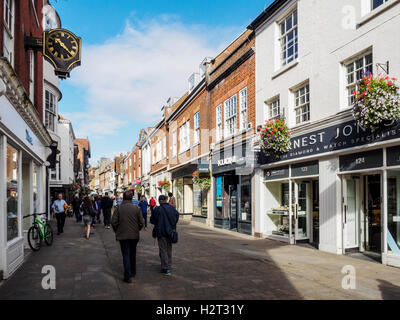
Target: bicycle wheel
(34, 238)
(49, 234)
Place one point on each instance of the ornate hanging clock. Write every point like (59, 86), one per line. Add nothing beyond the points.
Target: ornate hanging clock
(63, 49)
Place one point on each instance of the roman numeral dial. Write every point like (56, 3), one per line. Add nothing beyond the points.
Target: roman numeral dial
(62, 45)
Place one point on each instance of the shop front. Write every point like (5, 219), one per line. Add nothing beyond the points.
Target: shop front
(232, 171)
(23, 181)
(291, 203)
(338, 189)
(191, 199)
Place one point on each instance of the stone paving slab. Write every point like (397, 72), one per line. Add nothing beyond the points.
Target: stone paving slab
(207, 265)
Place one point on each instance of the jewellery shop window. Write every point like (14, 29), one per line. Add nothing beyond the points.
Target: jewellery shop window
(393, 221)
(199, 201)
(12, 192)
(277, 202)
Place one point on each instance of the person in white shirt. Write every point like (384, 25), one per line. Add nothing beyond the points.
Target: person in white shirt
(59, 211)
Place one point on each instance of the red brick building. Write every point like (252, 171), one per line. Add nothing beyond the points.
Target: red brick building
(231, 97)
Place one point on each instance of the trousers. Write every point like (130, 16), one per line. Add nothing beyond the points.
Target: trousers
(165, 247)
(128, 250)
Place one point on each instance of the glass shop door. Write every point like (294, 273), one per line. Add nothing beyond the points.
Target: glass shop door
(233, 209)
(302, 210)
(351, 205)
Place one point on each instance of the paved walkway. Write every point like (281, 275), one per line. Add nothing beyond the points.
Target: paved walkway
(208, 264)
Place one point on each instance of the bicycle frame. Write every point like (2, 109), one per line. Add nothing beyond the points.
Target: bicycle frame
(42, 226)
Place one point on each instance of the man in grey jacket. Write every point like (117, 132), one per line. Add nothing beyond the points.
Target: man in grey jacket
(127, 222)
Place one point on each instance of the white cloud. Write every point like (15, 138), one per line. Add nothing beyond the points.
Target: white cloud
(129, 77)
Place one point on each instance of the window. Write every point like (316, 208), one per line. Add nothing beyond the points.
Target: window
(8, 14)
(289, 38)
(376, 3)
(243, 109)
(12, 193)
(355, 70)
(230, 116)
(174, 144)
(197, 128)
(302, 105)
(184, 137)
(274, 109)
(218, 112)
(158, 152)
(50, 110)
(31, 75)
(164, 147)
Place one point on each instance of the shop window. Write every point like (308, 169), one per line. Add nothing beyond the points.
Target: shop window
(200, 207)
(355, 71)
(12, 193)
(245, 199)
(277, 195)
(393, 221)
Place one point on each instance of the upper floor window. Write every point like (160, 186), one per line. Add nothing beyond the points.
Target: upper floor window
(274, 108)
(230, 116)
(164, 147)
(355, 70)
(243, 109)
(376, 3)
(50, 110)
(184, 141)
(289, 38)
(302, 104)
(218, 117)
(158, 152)
(197, 128)
(8, 14)
(174, 144)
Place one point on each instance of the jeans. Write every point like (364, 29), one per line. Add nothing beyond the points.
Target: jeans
(145, 219)
(128, 250)
(60, 221)
(107, 217)
(165, 246)
(78, 216)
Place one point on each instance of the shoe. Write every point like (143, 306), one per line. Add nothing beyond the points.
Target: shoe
(168, 273)
(127, 280)
(58, 233)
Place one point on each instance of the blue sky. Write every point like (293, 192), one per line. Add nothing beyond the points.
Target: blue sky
(137, 54)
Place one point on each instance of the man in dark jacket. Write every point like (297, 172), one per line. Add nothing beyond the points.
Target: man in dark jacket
(127, 221)
(165, 218)
(76, 204)
(106, 205)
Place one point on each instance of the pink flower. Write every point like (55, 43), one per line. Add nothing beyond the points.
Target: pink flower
(390, 83)
(368, 88)
(394, 79)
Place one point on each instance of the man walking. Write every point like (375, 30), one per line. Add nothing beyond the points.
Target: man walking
(143, 207)
(60, 212)
(76, 204)
(127, 222)
(106, 206)
(172, 201)
(165, 218)
(152, 204)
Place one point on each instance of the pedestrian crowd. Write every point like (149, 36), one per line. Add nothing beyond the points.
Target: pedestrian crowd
(127, 217)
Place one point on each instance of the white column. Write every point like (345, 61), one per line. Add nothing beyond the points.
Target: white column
(258, 207)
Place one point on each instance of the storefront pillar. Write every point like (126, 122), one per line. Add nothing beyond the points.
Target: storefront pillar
(3, 204)
(258, 204)
(385, 214)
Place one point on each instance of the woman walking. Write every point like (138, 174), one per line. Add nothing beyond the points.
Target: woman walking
(88, 214)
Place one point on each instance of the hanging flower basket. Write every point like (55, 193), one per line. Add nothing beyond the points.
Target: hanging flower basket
(275, 137)
(203, 183)
(164, 185)
(139, 189)
(377, 102)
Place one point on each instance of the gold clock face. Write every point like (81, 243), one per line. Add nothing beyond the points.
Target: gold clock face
(62, 45)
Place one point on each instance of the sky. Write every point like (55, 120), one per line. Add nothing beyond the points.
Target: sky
(135, 55)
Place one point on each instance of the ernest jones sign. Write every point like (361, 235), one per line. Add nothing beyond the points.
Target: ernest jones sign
(339, 137)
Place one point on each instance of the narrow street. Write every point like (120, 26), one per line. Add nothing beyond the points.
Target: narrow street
(207, 265)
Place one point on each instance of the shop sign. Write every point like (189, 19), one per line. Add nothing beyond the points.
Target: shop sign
(361, 161)
(277, 173)
(203, 168)
(339, 137)
(228, 161)
(393, 156)
(305, 169)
